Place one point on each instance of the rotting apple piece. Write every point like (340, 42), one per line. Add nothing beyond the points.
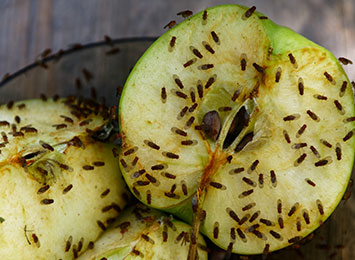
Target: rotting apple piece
(60, 187)
(144, 233)
(284, 151)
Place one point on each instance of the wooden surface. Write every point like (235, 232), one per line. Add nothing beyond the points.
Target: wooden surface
(29, 27)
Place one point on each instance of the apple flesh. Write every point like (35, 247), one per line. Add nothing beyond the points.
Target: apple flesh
(144, 233)
(60, 188)
(240, 126)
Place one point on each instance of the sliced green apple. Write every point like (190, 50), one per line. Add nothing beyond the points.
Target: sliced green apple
(59, 186)
(249, 120)
(143, 233)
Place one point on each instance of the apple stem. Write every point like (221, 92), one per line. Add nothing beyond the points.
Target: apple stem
(197, 219)
(217, 159)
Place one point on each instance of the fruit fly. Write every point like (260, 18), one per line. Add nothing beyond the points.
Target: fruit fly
(185, 13)
(170, 24)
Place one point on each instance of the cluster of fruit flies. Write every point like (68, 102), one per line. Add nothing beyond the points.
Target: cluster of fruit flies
(211, 131)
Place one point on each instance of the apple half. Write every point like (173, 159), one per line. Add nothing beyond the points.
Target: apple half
(60, 187)
(144, 233)
(240, 126)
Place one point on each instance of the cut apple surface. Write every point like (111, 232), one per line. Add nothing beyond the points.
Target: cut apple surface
(143, 233)
(250, 121)
(60, 188)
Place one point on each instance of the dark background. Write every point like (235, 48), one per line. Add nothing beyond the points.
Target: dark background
(27, 27)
